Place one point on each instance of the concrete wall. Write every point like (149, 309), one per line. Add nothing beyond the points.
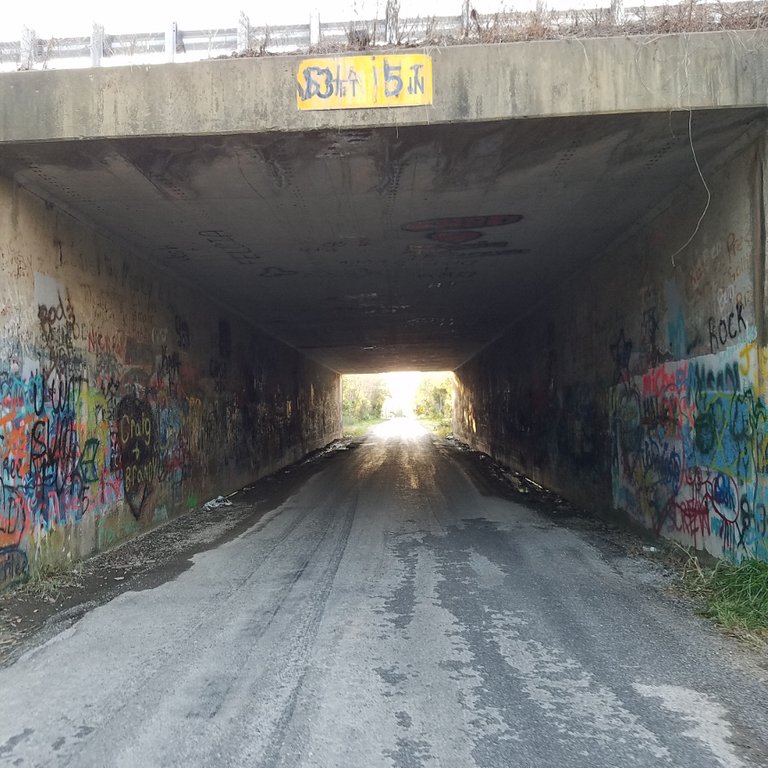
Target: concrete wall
(639, 384)
(534, 78)
(125, 397)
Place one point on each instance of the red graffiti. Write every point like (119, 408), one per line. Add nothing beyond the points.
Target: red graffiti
(693, 518)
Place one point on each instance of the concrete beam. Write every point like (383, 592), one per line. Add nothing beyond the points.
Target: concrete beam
(471, 83)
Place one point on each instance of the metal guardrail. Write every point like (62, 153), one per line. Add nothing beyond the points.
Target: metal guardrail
(100, 48)
(32, 52)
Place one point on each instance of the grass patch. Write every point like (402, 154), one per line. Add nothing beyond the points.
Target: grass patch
(734, 596)
(740, 595)
(48, 580)
(357, 428)
(440, 427)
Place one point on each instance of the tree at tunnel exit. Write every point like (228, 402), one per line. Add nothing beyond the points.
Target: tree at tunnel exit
(363, 396)
(434, 396)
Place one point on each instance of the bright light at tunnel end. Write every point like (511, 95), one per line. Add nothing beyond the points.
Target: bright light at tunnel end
(406, 428)
(402, 389)
(397, 404)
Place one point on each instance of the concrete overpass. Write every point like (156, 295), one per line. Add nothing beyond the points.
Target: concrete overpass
(192, 253)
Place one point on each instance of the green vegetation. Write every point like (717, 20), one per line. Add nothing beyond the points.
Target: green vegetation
(434, 402)
(734, 596)
(357, 428)
(439, 427)
(368, 399)
(362, 398)
(740, 595)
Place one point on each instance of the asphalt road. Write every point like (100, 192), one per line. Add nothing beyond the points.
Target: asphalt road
(390, 613)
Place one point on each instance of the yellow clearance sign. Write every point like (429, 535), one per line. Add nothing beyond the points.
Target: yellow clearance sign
(354, 82)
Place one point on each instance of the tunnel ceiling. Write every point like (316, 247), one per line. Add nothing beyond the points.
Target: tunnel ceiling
(385, 248)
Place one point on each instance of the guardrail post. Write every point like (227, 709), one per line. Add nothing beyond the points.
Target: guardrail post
(617, 12)
(243, 33)
(27, 48)
(391, 31)
(314, 28)
(97, 45)
(171, 40)
(466, 9)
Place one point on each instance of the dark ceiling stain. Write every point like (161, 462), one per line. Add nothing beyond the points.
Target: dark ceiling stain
(277, 272)
(463, 222)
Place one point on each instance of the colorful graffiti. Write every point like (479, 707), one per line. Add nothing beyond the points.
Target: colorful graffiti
(115, 428)
(690, 451)
(53, 430)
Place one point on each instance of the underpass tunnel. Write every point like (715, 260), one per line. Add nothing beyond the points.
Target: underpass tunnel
(177, 313)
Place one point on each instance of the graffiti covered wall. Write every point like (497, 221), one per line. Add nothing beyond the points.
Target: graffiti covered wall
(125, 397)
(690, 443)
(640, 385)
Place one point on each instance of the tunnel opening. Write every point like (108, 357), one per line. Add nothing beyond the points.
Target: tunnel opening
(406, 402)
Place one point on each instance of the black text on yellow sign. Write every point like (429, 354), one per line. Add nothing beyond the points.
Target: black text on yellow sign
(355, 82)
